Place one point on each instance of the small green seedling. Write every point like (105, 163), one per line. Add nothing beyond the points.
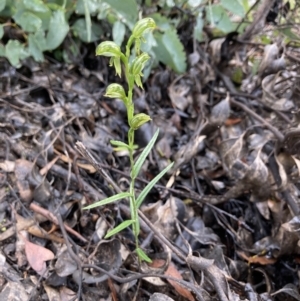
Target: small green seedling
(133, 74)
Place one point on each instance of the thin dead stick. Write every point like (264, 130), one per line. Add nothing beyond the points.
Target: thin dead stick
(87, 155)
(36, 208)
(259, 20)
(273, 129)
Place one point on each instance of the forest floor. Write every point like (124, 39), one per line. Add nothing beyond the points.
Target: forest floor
(222, 225)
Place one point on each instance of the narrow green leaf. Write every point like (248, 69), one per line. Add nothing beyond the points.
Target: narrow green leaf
(142, 255)
(119, 143)
(109, 200)
(150, 185)
(119, 228)
(141, 159)
(88, 21)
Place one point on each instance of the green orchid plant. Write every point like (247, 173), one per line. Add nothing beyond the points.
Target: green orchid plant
(133, 75)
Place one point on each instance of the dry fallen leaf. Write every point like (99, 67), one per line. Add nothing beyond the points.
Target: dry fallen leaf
(66, 294)
(90, 168)
(174, 273)
(37, 256)
(263, 260)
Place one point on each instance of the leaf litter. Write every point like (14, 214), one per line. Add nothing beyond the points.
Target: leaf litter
(226, 227)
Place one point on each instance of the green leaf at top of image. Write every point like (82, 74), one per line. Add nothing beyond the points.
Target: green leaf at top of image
(170, 51)
(218, 17)
(58, 29)
(35, 6)
(128, 9)
(2, 50)
(162, 22)
(194, 3)
(2, 4)
(119, 228)
(35, 46)
(1, 31)
(93, 6)
(109, 200)
(141, 159)
(28, 21)
(80, 30)
(118, 32)
(142, 255)
(150, 185)
(234, 7)
(13, 50)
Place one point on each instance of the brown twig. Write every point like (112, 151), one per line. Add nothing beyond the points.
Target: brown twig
(36, 208)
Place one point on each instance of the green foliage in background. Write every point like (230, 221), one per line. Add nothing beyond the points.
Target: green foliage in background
(29, 28)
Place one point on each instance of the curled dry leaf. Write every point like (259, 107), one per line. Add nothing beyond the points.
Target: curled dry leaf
(272, 94)
(289, 289)
(215, 48)
(291, 142)
(282, 174)
(164, 216)
(179, 97)
(271, 62)
(258, 171)
(187, 152)
(293, 225)
(231, 151)
(220, 112)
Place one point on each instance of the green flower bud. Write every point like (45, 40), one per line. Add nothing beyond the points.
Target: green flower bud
(142, 26)
(138, 64)
(138, 120)
(109, 49)
(115, 91)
